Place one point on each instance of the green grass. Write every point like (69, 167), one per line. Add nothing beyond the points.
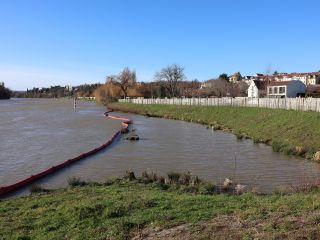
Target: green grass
(287, 131)
(121, 209)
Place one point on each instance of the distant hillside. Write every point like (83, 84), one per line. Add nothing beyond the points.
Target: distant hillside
(85, 90)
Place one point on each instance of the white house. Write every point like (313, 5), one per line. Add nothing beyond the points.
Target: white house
(257, 89)
(292, 88)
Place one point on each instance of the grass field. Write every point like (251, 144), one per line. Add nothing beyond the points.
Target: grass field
(290, 132)
(123, 209)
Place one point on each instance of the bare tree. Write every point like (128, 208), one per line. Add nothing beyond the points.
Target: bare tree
(171, 76)
(268, 69)
(125, 80)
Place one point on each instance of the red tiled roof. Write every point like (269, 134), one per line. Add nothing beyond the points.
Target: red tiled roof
(294, 74)
(261, 85)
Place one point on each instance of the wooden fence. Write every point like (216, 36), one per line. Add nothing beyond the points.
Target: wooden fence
(298, 104)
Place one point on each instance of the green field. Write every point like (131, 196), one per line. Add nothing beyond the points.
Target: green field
(122, 209)
(287, 131)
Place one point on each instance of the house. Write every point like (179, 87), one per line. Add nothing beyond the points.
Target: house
(257, 89)
(310, 78)
(293, 88)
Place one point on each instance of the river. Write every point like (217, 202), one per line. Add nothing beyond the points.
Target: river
(39, 133)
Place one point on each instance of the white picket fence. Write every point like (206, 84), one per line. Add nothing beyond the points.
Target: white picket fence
(298, 104)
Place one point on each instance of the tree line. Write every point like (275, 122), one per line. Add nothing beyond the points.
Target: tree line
(85, 90)
(169, 82)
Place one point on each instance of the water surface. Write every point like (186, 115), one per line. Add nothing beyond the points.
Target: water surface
(36, 134)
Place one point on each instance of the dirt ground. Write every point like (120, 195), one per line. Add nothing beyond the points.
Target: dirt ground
(305, 226)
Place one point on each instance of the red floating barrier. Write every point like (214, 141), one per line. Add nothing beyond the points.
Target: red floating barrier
(13, 187)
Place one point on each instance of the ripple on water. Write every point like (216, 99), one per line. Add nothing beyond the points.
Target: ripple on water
(42, 133)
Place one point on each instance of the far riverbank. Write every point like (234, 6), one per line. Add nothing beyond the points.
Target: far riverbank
(289, 132)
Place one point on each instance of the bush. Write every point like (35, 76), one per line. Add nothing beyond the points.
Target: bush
(276, 146)
(195, 181)
(35, 188)
(208, 189)
(174, 177)
(129, 175)
(161, 180)
(76, 182)
(185, 179)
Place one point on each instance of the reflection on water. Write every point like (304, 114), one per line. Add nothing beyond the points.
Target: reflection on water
(36, 134)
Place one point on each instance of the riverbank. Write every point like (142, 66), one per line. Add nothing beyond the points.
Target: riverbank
(289, 132)
(139, 208)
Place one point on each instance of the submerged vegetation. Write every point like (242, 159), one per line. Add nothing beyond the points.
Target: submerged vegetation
(287, 131)
(180, 206)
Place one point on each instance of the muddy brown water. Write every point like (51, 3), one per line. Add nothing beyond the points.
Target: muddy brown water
(39, 133)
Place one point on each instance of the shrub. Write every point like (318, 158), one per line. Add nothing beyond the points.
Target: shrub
(161, 180)
(153, 177)
(208, 189)
(35, 188)
(76, 182)
(174, 177)
(276, 146)
(129, 175)
(306, 187)
(195, 181)
(185, 179)
(145, 174)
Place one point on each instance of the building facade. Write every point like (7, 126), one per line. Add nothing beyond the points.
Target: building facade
(257, 89)
(311, 78)
(293, 88)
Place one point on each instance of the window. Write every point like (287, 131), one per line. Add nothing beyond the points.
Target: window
(275, 90)
(282, 89)
(270, 90)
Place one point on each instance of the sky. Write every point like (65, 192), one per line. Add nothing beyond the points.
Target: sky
(45, 42)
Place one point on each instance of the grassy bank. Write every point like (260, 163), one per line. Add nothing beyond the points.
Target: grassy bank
(290, 132)
(123, 208)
